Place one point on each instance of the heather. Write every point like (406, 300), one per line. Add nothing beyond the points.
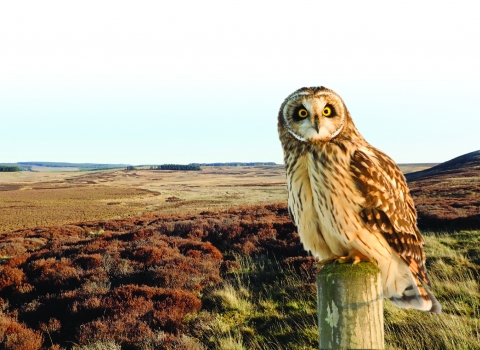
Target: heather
(232, 279)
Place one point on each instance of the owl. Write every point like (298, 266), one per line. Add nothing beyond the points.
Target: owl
(350, 201)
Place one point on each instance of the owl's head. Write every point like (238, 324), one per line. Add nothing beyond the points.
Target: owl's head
(314, 114)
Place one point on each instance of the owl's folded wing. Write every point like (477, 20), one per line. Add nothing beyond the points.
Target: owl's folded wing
(388, 206)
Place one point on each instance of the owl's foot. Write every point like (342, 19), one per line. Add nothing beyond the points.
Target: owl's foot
(354, 256)
(333, 258)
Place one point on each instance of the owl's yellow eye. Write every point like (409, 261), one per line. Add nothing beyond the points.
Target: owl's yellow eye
(327, 111)
(302, 113)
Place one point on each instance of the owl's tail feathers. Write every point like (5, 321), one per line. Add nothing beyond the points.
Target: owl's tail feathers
(417, 296)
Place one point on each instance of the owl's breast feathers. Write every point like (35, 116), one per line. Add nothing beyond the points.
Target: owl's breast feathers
(388, 206)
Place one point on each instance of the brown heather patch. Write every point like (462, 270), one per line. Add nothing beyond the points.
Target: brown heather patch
(135, 280)
(235, 278)
(448, 202)
(14, 335)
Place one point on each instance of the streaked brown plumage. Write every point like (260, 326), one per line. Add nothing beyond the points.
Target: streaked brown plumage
(349, 200)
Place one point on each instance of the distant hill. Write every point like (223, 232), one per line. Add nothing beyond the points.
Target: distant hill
(65, 166)
(79, 166)
(446, 195)
(465, 163)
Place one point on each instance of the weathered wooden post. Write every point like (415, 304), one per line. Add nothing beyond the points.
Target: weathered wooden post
(350, 306)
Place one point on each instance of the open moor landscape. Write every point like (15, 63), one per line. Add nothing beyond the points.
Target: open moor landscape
(147, 259)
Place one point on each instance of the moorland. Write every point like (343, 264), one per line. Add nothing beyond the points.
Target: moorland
(145, 259)
(53, 196)
(32, 199)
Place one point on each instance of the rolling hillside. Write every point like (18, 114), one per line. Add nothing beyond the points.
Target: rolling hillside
(466, 164)
(447, 195)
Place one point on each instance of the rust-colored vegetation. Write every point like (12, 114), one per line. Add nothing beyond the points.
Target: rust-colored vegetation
(447, 195)
(131, 281)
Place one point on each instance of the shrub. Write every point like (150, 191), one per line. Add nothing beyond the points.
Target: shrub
(16, 336)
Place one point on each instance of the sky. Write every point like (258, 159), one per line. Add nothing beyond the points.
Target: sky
(154, 82)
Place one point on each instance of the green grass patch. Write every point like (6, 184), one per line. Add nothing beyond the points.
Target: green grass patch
(264, 305)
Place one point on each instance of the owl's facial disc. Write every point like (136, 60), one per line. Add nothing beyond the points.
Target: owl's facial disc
(315, 118)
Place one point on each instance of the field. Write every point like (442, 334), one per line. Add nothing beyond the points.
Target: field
(32, 199)
(199, 260)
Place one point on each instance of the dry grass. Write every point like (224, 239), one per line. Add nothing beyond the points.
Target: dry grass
(263, 305)
(30, 199)
(99, 345)
(43, 206)
(455, 278)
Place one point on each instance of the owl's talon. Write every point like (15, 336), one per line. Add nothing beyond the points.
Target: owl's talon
(356, 260)
(354, 256)
(332, 259)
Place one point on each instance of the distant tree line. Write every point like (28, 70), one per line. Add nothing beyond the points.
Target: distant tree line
(131, 167)
(175, 167)
(9, 168)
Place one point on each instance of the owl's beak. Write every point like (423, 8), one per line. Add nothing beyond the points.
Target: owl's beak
(315, 123)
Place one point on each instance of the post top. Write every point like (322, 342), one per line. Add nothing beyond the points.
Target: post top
(347, 269)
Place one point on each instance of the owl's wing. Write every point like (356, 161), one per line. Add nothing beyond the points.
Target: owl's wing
(388, 206)
(292, 216)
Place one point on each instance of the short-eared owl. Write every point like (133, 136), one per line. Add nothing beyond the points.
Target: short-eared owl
(350, 201)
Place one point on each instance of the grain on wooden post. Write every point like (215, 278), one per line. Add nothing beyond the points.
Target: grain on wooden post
(350, 306)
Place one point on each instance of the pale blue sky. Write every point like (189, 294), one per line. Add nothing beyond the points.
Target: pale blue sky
(155, 82)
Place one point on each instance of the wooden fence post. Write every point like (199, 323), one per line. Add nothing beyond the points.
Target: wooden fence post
(350, 306)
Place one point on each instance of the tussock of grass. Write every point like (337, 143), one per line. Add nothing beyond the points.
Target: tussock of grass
(99, 345)
(96, 232)
(231, 343)
(231, 298)
(261, 306)
(455, 281)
